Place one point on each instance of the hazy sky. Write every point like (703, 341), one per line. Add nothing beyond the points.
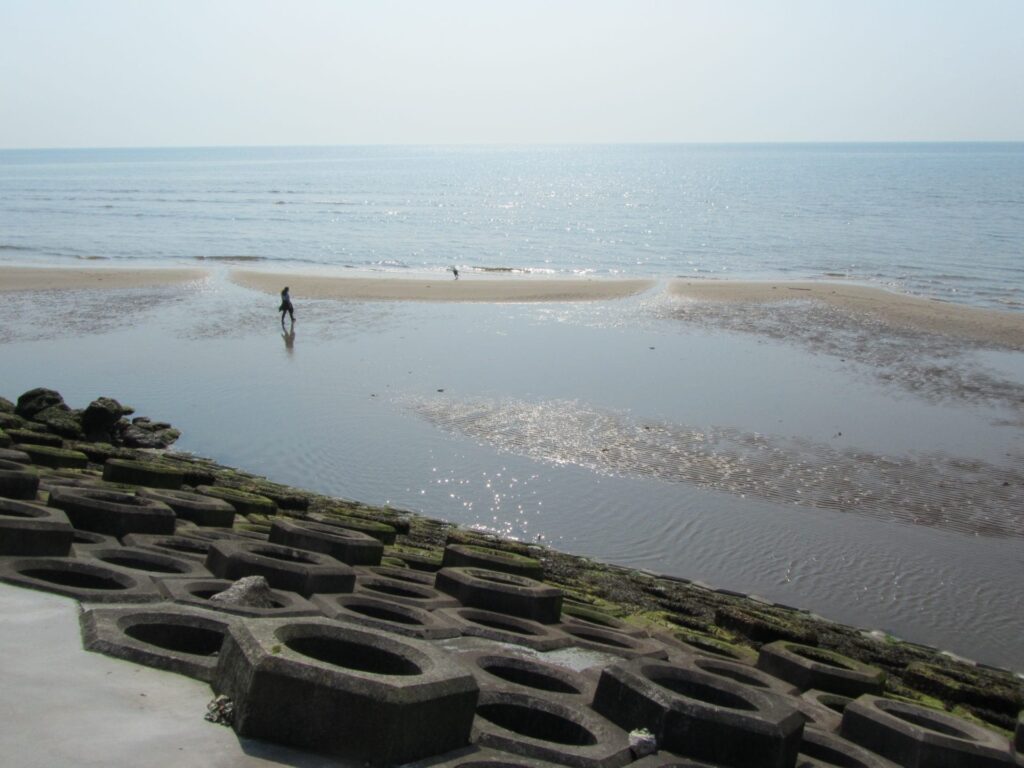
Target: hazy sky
(229, 72)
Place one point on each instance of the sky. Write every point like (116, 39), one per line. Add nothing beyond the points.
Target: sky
(127, 73)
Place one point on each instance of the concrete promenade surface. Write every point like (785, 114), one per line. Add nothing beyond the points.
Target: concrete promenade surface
(63, 706)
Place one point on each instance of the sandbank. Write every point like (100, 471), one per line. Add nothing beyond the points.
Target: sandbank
(73, 278)
(977, 324)
(469, 288)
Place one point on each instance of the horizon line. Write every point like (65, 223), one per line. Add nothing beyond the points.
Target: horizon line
(498, 144)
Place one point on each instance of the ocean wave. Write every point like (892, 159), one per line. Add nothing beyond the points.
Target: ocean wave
(10, 247)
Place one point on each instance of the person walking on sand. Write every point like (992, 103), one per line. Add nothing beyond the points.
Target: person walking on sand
(455, 271)
(286, 306)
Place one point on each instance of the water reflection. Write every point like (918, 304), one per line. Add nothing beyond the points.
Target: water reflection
(289, 338)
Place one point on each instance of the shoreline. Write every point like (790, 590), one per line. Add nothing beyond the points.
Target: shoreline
(78, 278)
(468, 288)
(981, 325)
(976, 324)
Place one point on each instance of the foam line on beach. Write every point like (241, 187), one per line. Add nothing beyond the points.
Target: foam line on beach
(434, 289)
(59, 278)
(977, 324)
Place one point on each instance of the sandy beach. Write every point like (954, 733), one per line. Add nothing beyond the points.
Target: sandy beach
(74, 278)
(468, 288)
(975, 324)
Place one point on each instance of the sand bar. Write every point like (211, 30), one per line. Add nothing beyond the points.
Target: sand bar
(72, 278)
(468, 288)
(987, 326)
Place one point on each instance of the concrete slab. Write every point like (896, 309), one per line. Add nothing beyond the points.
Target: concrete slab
(60, 705)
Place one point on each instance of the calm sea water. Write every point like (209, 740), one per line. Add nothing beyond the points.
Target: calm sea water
(943, 220)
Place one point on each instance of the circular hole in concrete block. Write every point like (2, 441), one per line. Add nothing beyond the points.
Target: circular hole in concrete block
(74, 578)
(495, 623)
(393, 589)
(351, 655)
(729, 671)
(594, 637)
(537, 724)
(197, 641)
(834, 702)
(923, 721)
(142, 564)
(383, 613)
(22, 513)
(529, 677)
(696, 689)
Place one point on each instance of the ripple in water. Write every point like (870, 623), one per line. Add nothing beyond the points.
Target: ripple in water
(967, 496)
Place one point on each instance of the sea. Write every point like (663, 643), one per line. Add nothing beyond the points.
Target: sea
(938, 220)
(871, 476)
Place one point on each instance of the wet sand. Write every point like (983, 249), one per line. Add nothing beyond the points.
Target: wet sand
(468, 288)
(984, 326)
(61, 278)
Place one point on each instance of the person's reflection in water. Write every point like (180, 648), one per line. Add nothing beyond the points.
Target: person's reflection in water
(289, 338)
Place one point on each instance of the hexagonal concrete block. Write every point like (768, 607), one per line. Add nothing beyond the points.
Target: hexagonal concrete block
(199, 509)
(502, 628)
(387, 615)
(616, 643)
(701, 715)
(502, 593)
(918, 737)
(197, 593)
(287, 568)
(820, 749)
(17, 481)
(547, 728)
(165, 636)
(89, 581)
(148, 562)
(402, 591)
(32, 530)
(183, 546)
(808, 667)
(357, 693)
(512, 671)
(112, 512)
(348, 546)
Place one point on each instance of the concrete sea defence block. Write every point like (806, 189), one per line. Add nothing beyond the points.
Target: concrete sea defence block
(112, 512)
(353, 692)
(197, 593)
(343, 544)
(88, 581)
(918, 737)
(807, 667)
(546, 728)
(380, 613)
(172, 637)
(287, 568)
(201, 510)
(503, 628)
(700, 715)
(32, 530)
(502, 593)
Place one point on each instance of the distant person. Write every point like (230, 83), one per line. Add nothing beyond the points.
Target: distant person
(455, 271)
(286, 306)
